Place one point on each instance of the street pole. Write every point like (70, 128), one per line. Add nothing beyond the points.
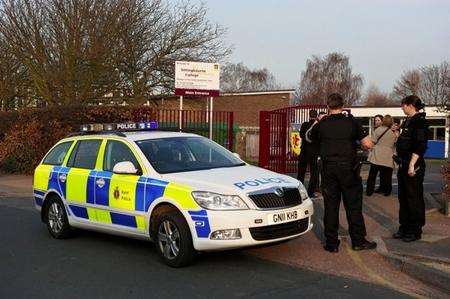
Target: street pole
(211, 118)
(181, 113)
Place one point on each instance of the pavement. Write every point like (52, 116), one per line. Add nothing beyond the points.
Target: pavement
(298, 267)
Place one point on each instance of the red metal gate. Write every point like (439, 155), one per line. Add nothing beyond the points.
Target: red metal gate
(275, 128)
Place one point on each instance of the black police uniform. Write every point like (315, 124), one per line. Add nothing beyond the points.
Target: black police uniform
(308, 156)
(338, 135)
(413, 139)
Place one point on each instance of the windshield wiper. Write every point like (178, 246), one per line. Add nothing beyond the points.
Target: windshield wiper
(229, 166)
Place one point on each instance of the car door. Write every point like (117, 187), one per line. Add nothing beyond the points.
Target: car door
(80, 185)
(120, 196)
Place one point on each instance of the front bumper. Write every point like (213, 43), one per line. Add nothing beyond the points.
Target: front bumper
(247, 219)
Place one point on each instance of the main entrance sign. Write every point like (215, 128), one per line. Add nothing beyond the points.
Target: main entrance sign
(198, 79)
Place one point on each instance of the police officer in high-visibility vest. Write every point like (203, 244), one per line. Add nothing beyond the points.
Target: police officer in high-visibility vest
(411, 147)
(338, 134)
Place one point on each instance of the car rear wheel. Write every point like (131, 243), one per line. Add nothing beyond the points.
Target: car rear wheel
(56, 219)
(174, 240)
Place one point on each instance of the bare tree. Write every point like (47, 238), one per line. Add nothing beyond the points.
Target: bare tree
(376, 98)
(13, 80)
(431, 83)
(238, 77)
(327, 75)
(435, 84)
(157, 34)
(408, 84)
(74, 51)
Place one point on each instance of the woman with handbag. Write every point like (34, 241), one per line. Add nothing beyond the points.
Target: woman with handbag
(380, 158)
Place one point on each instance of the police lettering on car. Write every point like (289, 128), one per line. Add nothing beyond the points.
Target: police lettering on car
(183, 191)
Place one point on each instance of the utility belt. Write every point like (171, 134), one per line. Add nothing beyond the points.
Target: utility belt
(355, 165)
(403, 161)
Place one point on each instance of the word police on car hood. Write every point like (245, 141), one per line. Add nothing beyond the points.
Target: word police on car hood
(259, 182)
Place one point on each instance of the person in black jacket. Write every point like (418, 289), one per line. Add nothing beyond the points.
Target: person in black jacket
(337, 135)
(309, 153)
(411, 147)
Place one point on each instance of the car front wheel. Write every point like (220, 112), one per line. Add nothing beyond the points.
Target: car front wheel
(173, 240)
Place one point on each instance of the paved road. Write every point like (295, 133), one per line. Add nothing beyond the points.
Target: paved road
(95, 265)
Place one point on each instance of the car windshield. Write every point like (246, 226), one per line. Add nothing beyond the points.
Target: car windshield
(180, 154)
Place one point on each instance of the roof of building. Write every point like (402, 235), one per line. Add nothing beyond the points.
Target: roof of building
(256, 92)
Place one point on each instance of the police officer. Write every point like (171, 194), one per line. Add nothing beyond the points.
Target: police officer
(411, 146)
(308, 155)
(337, 135)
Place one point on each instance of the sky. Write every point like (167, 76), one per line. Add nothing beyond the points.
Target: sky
(382, 38)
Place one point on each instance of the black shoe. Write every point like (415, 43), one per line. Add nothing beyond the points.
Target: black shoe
(365, 245)
(387, 194)
(398, 235)
(378, 191)
(331, 248)
(369, 193)
(411, 238)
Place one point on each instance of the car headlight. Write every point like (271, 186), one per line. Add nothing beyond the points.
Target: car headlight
(303, 192)
(214, 201)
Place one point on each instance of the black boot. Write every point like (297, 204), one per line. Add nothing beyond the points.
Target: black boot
(398, 235)
(332, 248)
(411, 238)
(365, 245)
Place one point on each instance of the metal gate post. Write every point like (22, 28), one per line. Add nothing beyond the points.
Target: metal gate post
(284, 141)
(230, 131)
(264, 139)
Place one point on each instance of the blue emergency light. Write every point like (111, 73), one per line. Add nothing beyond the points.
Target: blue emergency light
(129, 126)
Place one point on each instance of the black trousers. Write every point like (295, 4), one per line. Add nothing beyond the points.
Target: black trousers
(410, 196)
(340, 180)
(303, 163)
(385, 179)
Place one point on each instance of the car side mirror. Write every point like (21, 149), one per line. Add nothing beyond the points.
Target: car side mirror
(237, 155)
(125, 167)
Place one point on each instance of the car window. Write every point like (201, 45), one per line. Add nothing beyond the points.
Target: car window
(116, 152)
(57, 154)
(178, 154)
(85, 154)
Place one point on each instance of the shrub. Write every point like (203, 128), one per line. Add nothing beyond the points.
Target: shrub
(26, 136)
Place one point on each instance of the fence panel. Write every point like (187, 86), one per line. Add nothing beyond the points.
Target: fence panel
(197, 122)
(275, 152)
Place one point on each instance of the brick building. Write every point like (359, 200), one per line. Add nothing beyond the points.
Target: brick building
(245, 105)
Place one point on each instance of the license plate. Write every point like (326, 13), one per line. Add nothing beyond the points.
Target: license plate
(282, 217)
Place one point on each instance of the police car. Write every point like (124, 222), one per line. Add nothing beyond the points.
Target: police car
(181, 190)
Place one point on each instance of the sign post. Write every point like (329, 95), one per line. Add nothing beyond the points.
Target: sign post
(181, 113)
(210, 117)
(197, 79)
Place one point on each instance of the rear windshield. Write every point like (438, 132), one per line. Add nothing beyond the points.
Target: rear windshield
(179, 154)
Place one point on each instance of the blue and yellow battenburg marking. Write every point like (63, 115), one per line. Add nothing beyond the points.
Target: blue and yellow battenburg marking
(83, 188)
(201, 221)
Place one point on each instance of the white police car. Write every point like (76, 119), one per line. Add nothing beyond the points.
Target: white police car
(183, 191)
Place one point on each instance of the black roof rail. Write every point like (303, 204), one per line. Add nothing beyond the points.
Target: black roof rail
(117, 133)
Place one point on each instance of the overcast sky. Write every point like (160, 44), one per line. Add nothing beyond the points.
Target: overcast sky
(383, 38)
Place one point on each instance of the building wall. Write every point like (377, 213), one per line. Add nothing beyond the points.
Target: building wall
(246, 107)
